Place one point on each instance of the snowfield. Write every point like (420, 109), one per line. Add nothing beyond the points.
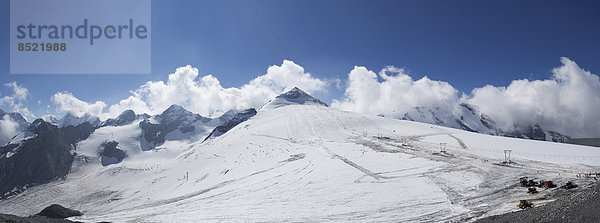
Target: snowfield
(308, 163)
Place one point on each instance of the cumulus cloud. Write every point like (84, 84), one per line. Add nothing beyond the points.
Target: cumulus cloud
(205, 94)
(8, 129)
(15, 101)
(66, 102)
(396, 94)
(568, 102)
(132, 102)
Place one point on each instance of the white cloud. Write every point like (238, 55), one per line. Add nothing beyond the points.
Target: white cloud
(395, 94)
(66, 102)
(8, 129)
(206, 96)
(132, 102)
(569, 102)
(15, 101)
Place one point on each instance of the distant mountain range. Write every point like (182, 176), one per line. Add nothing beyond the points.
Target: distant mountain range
(468, 118)
(46, 149)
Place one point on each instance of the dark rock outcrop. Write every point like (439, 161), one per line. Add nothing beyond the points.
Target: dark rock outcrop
(299, 96)
(468, 107)
(175, 117)
(110, 154)
(530, 132)
(294, 96)
(124, 118)
(31, 219)
(238, 118)
(57, 211)
(464, 126)
(152, 133)
(585, 141)
(488, 122)
(557, 137)
(45, 155)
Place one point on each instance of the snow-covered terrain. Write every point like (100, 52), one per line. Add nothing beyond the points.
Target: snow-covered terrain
(298, 161)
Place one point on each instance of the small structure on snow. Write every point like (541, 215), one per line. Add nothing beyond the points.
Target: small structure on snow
(525, 204)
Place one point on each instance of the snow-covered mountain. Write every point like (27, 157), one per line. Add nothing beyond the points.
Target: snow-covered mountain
(14, 116)
(45, 153)
(175, 123)
(298, 160)
(74, 120)
(293, 96)
(467, 117)
(109, 141)
(126, 117)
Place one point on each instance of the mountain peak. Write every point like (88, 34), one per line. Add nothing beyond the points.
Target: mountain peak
(294, 96)
(125, 117)
(175, 109)
(127, 112)
(39, 123)
(15, 116)
(74, 120)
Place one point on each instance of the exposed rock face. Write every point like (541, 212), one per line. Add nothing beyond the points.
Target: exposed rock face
(152, 133)
(46, 154)
(175, 117)
(228, 115)
(57, 211)
(585, 141)
(15, 116)
(464, 126)
(488, 122)
(31, 219)
(529, 132)
(467, 117)
(72, 134)
(294, 96)
(124, 118)
(74, 120)
(557, 137)
(110, 154)
(240, 117)
(298, 96)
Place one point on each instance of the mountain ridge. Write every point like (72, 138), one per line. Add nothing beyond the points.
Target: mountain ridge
(469, 118)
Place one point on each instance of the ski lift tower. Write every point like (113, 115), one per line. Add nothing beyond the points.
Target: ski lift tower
(507, 156)
(443, 147)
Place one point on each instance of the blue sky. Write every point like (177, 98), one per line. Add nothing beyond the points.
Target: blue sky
(466, 43)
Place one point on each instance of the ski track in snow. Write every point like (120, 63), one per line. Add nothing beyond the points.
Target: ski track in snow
(309, 163)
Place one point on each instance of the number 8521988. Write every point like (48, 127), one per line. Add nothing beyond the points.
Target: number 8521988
(42, 47)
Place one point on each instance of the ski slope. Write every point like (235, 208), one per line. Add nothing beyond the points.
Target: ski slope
(308, 163)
